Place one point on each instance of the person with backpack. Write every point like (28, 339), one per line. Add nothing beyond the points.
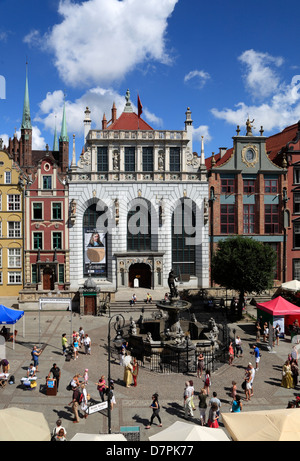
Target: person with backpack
(207, 381)
(76, 401)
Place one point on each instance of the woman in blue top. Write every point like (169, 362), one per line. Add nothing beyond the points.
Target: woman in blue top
(155, 407)
(237, 405)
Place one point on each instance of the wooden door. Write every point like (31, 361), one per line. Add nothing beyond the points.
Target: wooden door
(48, 279)
(90, 305)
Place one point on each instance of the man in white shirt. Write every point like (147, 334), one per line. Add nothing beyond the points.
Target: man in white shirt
(87, 344)
(187, 396)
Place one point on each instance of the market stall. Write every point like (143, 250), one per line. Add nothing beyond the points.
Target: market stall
(280, 311)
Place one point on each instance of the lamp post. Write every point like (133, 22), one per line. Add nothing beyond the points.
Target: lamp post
(118, 341)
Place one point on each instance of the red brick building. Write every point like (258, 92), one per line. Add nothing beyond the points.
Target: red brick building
(247, 191)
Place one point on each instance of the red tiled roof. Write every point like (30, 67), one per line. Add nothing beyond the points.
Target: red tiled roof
(129, 121)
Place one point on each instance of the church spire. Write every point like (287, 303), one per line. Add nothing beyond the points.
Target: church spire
(55, 143)
(63, 134)
(26, 120)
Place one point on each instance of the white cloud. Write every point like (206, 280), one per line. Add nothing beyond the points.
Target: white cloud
(199, 77)
(99, 41)
(38, 141)
(261, 77)
(280, 101)
(202, 130)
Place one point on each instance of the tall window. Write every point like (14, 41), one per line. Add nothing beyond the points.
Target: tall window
(175, 159)
(147, 158)
(227, 219)
(7, 177)
(139, 228)
(129, 159)
(227, 186)
(102, 158)
(57, 240)
(14, 257)
(296, 235)
(296, 269)
(297, 175)
(271, 219)
(56, 211)
(249, 219)
(271, 186)
(183, 234)
(95, 223)
(37, 210)
(47, 182)
(249, 186)
(14, 202)
(14, 229)
(37, 240)
(296, 202)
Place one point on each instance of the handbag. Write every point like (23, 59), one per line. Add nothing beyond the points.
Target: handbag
(244, 385)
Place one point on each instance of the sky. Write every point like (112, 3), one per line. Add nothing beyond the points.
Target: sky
(225, 60)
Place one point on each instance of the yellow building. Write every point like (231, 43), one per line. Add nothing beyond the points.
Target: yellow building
(11, 226)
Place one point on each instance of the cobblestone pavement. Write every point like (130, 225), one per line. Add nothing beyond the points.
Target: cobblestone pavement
(132, 408)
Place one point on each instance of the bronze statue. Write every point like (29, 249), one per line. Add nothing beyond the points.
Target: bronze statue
(171, 283)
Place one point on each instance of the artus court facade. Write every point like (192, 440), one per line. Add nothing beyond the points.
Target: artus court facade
(138, 206)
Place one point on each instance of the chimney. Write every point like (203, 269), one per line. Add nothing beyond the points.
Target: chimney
(113, 113)
(222, 151)
(104, 123)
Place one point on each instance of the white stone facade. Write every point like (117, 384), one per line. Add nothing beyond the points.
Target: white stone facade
(117, 191)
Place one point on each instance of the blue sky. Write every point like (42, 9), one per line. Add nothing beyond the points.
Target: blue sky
(223, 59)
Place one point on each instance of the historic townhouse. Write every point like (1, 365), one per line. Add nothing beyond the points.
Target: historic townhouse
(247, 193)
(11, 225)
(139, 207)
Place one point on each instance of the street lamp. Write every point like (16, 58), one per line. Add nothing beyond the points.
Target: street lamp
(118, 341)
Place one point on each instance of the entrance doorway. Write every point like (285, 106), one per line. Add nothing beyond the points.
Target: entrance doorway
(142, 272)
(89, 305)
(48, 279)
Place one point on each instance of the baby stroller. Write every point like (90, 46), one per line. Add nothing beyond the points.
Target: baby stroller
(69, 353)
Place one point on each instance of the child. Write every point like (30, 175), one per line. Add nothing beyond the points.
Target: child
(86, 376)
(233, 391)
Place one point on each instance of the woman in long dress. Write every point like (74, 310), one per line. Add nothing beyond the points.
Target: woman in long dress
(287, 377)
(127, 371)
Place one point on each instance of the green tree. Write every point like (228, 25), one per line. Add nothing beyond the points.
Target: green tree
(244, 265)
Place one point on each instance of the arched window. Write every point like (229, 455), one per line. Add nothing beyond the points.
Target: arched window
(183, 235)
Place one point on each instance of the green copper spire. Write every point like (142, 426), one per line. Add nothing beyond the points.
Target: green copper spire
(63, 134)
(55, 143)
(26, 120)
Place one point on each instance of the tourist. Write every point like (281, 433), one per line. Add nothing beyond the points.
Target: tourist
(75, 381)
(287, 377)
(207, 381)
(193, 390)
(86, 377)
(87, 344)
(237, 405)
(294, 354)
(231, 353)
(258, 330)
(101, 387)
(64, 342)
(35, 353)
(155, 411)
(233, 391)
(4, 363)
(56, 430)
(277, 334)
(295, 372)
(215, 399)
(81, 336)
(247, 385)
(266, 332)
(251, 371)
(202, 406)
(213, 416)
(84, 401)
(135, 371)
(187, 400)
(256, 354)
(76, 400)
(60, 436)
(148, 298)
(76, 347)
(200, 365)
(111, 395)
(31, 371)
(133, 299)
(238, 347)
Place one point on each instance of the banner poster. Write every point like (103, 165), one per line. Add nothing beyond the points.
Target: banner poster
(280, 322)
(94, 253)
